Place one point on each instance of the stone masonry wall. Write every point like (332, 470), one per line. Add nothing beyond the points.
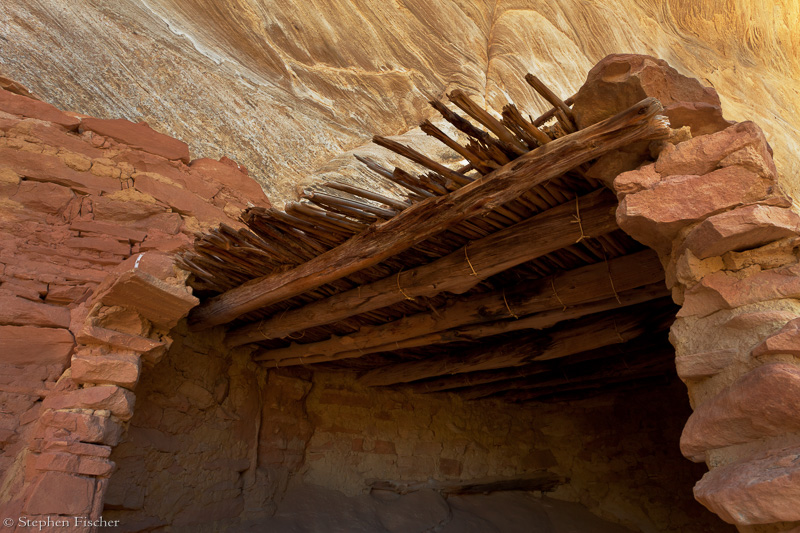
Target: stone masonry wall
(714, 209)
(88, 209)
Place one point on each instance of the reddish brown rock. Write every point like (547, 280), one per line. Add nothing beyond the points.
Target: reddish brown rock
(704, 154)
(71, 428)
(784, 341)
(17, 88)
(57, 493)
(139, 136)
(16, 104)
(655, 216)
(78, 448)
(74, 464)
(702, 365)
(724, 290)
(161, 303)
(756, 490)
(180, 200)
(21, 312)
(102, 397)
(44, 197)
(24, 345)
(99, 244)
(621, 80)
(741, 229)
(113, 230)
(113, 369)
(747, 411)
(235, 181)
(701, 117)
(40, 167)
(97, 335)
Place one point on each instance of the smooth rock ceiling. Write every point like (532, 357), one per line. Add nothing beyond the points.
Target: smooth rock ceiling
(285, 86)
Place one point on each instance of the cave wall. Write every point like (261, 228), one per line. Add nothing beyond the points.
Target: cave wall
(191, 458)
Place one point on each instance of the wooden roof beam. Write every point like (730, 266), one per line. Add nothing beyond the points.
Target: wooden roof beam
(535, 305)
(568, 339)
(457, 272)
(630, 364)
(645, 344)
(437, 214)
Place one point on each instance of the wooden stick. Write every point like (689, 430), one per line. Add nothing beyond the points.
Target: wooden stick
(511, 115)
(550, 96)
(460, 98)
(421, 159)
(476, 161)
(543, 481)
(435, 215)
(369, 195)
(495, 149)
(552, 112)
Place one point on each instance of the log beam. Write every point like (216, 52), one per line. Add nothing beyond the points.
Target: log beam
(646, 344)
(531, 301)
(622, 365)
(543, 481)
(456, 273)
(436, 214)
(568, 339)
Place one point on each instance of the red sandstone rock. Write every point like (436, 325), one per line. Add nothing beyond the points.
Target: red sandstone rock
(747, 411)
(40, 167)
(17, 104)
(23, 345)
(96, 335)
(655, 216)
(180, 200)
(703, 154)
(99, 244)
(113, 369)
(113, 230)
(74, 464)
(71, 144)
(56, 493)
(619, 81)
(20, 312)
(78, 448)
(161, 303)
(44, 197)
(784, 341)
(703, 118)
(102, 397)
(702, 365)
(724, 290)
(741, 229)
(76, 428)
(17, 88)
(139, 136)
(756, 490)
(226, 172)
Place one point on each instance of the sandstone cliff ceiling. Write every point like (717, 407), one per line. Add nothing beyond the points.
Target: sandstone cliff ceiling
(285, 86)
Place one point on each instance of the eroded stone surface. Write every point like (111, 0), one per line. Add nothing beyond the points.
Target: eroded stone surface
(757, 490)
(749, 410)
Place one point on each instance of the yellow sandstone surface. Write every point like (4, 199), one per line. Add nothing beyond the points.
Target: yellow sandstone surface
(284, 86)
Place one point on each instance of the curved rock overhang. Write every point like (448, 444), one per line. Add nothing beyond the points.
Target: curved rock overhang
(706, 198)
